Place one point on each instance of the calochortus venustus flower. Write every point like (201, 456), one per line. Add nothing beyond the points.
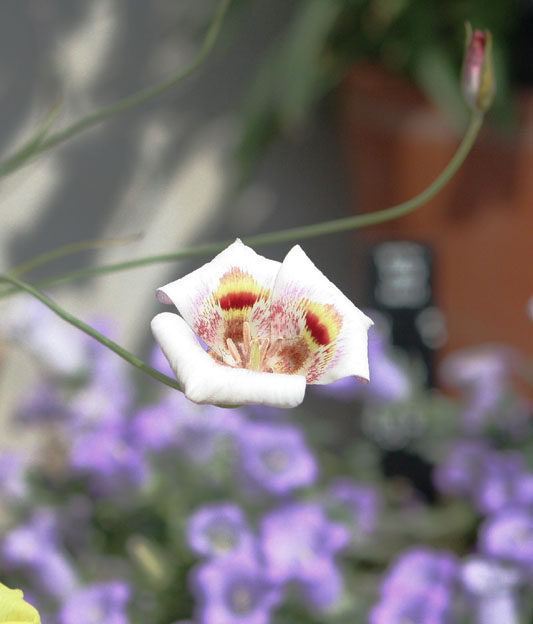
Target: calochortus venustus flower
(270, 328)
(479, 84)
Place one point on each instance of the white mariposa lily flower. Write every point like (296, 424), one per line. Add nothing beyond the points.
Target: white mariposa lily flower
(270, 327)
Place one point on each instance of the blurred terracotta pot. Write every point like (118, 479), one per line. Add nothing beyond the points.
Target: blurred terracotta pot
(480, 226)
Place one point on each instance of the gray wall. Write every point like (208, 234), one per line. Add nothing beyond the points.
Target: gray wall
(161, 169)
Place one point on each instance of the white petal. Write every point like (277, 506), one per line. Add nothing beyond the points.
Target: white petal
(206, 381)
(216, 298)
(305, 303)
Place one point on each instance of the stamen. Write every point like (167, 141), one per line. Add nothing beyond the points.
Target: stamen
(255, 355)
(263, 351)
(246, 337)
(234, 352)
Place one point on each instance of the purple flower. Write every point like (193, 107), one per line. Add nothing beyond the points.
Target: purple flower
(219, 529)
(233, 590)
(155, 427)
(430, 606)
(201, 430)
(43, 404)
(362, 502)
(418, 569)
(108, 458)
(467, 368)
(460, 473)
(509, 536)
(96, 604)
(298, 543)
(417, 588)
(523, 487)
(107, 393)
(103, 401)
(500, 481)
(34, 548)
(388, 380)
(56, 345)
(483, 374)
(491, 589)
(492, 480)
(275, 458)
(13, 485)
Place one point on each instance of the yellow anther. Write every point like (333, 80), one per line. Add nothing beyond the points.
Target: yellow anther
(254, 361)
(246, 337)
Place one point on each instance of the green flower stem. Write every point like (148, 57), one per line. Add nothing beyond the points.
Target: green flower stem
(298, 233)
(71, 248)
(123, 353)
(41, 144)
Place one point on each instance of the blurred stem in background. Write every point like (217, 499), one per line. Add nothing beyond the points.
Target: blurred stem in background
(42, 141)
(68, 250)
(292, 234)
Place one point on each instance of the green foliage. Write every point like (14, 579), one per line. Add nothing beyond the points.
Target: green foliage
(423, 41)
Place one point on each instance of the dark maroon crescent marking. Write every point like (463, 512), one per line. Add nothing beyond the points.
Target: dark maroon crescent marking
(238, 300)
(318, 330)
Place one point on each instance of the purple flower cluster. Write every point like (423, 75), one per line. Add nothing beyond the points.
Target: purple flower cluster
(58, 347)
(360, 503)
(298, 543)
(484, 377)
(246, 573)
(233, 591)
(508, 536)
(431, 587)
(34, 548)
(108, 459)
(43, 404)
(275, 458)
(102, 442)
(13, 484)
(418, 588)
(491, 590)
(247, 567)
(219, 529)
(96, 604)
(492, 480)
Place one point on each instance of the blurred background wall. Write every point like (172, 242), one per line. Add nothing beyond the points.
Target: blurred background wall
(166, 169)
(160, 170)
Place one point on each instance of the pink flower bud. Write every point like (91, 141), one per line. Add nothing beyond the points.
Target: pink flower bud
(478, 80)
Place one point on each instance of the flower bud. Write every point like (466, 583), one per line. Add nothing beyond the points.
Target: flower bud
(479, 84)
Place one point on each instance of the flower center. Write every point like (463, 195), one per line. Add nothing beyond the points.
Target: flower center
(241, 599)
(277, 460)
(222, 537)
(268, 355)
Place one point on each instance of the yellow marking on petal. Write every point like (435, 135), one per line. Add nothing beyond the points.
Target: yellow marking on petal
(238, 290)
(237, 298)
(322, 324)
